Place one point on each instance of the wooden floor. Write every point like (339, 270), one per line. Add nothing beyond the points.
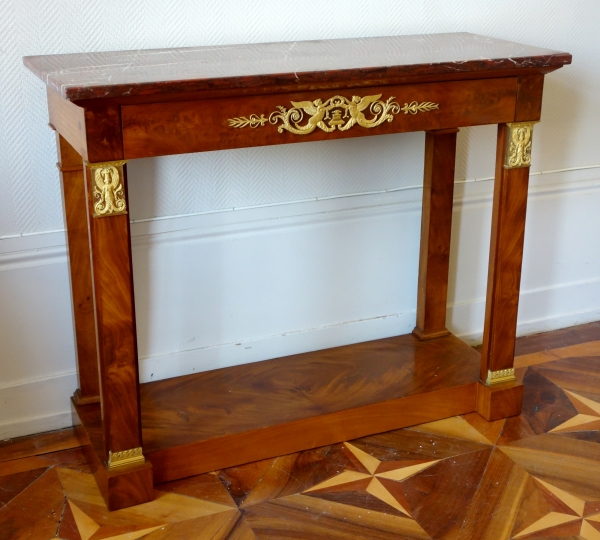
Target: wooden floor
(532, 476)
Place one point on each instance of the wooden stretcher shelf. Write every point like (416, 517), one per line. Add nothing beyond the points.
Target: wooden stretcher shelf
(240, 414)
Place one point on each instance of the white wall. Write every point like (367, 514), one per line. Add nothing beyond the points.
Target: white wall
(322, 246)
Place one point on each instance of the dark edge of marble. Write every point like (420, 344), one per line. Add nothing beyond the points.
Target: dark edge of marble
(378, 75)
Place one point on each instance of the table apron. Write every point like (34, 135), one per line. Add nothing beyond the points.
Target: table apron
(157, 129)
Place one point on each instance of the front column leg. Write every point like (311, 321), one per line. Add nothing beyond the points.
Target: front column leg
(124, 476)
(499, 395)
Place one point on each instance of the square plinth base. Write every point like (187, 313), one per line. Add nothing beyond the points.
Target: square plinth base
(121, 487)
(501, 401)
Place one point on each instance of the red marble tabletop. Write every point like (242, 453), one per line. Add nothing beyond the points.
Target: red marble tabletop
(147, 72)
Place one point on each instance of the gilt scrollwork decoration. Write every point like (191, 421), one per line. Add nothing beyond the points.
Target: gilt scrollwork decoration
(107, 188)
(414, 107)
(337, 112)
(519, 145)
(253, 121)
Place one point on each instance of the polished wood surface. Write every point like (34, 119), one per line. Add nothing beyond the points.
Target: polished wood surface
(499, 401)
(44, 443)
(195, 126)
(506, 256)
(110, 247)
(69, 122)
(529, 98)
(347, 62)
(82, 295)
(114, 106)
(240, 414)
(536, 475)
(436, 225)
(115, 312)
(104, 138)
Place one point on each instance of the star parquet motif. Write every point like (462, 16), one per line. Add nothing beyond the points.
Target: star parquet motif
(587, 418)
(377, 481)
(532, 476)
(567, 515)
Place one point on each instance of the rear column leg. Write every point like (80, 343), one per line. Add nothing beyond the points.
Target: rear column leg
(436, 224)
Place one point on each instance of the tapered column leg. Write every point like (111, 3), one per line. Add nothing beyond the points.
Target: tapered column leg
(70, 164)
(499, 395)
(124, 476)
(436, 223)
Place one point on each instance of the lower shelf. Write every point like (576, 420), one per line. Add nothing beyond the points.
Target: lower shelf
(222, 418)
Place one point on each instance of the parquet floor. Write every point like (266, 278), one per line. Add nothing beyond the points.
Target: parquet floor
(532, 476)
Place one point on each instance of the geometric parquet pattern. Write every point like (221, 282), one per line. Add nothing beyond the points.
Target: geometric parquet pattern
(532, 476)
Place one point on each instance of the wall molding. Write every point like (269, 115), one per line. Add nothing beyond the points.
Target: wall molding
(50, 247)
(26, 405)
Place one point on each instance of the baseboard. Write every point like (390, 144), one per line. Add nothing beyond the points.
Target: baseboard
(36, 406)
(532, 320)
(579, 301)
(295, 342)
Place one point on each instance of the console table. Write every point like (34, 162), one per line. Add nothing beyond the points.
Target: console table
(108, 108)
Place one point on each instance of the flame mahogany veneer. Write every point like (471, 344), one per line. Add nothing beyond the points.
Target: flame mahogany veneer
(113, 106)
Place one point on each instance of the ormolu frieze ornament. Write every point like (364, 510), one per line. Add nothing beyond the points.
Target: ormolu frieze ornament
(253, 121)
(107, 188)
(126, 457)
(519, 145)
(415, 107)
(337, 112)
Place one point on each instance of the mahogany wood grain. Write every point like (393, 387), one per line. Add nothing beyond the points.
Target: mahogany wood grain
(529, 98)
(120, 487)
(506, 254)
(501, 401)
(115, 321)
(82, 296)
(68, 120)
(219, 418)
(195, 126)
(258, 395)
(217, 453)
(436, 224)
(94, 132)
(227, 427)
(103, 132)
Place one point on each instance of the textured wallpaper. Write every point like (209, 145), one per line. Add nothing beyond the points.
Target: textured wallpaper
(29, 190)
